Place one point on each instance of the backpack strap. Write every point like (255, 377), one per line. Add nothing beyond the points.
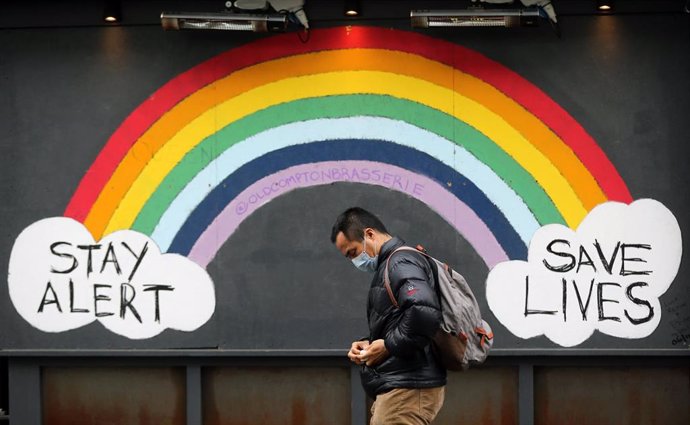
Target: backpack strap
(386, 277)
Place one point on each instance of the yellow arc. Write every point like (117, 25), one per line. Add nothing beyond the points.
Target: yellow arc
(523, 136)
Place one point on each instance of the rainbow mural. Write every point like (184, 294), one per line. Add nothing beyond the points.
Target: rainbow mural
(481, 146)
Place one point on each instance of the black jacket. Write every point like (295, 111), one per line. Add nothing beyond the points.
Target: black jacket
(407, 330)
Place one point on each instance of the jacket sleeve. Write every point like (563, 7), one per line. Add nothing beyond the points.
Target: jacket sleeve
(420, 312)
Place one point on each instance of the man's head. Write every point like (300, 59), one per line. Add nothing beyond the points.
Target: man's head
(357, 230)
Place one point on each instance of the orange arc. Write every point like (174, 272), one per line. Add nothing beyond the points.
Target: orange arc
(535, 131)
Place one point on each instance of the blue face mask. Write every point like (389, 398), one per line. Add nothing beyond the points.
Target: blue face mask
(364, 262)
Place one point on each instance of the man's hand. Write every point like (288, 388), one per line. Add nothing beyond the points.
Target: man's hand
(374, 354)
(356, 350)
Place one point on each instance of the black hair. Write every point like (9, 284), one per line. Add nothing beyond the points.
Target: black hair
(352, 223)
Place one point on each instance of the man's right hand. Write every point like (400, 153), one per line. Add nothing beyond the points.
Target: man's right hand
(355, 351)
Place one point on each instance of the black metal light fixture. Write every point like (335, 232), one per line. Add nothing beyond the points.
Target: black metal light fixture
(112, 12)
(224, 21)
(605, 5)
(352, 8)
(474, 17)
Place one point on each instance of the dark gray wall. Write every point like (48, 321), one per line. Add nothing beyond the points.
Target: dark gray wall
(279, 282)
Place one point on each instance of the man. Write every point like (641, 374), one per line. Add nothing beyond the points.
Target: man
(399, 369)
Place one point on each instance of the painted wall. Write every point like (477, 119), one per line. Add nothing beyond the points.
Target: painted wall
(179, 188)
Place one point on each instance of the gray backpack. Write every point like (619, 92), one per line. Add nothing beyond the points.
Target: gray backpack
(463, 339)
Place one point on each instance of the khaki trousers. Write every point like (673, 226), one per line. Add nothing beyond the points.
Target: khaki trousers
(407, 406)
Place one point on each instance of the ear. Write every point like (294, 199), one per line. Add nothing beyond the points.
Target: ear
(369, 232)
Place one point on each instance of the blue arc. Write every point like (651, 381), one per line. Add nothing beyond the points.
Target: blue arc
(340, 150)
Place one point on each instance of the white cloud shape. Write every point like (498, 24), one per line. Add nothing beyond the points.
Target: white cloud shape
(607, 276)
(60, 278)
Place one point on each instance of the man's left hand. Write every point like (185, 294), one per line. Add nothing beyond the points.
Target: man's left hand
(375, 353)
